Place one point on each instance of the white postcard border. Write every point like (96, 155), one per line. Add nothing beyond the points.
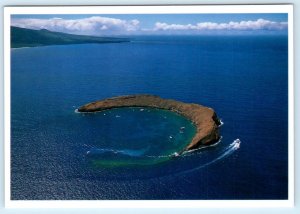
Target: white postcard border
(284, 8)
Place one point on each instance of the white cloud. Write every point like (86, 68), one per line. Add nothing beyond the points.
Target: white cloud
(98, 25)
(260, 24)
(95, 25)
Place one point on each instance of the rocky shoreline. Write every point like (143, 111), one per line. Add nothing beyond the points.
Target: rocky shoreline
(205, 119)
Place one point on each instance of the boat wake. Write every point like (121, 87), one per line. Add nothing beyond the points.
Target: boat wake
(226, 152)
(142, 153)
(229, 150)
(143, 166)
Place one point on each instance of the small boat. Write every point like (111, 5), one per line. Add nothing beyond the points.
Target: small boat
(237, 143)
(175, 154)
(182, 128)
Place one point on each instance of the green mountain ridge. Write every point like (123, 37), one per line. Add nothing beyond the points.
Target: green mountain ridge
(23, 37)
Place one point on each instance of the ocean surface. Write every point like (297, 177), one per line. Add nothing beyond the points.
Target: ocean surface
(59, 154)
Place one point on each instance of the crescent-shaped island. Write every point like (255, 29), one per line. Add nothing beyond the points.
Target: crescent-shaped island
(205, 119)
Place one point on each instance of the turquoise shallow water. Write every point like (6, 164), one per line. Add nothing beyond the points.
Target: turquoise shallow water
(135, 136)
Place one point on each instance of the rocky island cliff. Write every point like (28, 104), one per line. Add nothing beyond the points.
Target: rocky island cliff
(204, 118)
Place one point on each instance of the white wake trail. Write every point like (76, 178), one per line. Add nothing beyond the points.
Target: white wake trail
(230, 149)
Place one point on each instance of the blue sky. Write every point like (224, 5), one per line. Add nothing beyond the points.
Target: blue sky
(135, 24)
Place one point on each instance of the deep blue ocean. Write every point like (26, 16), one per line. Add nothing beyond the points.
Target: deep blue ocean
(59, 154)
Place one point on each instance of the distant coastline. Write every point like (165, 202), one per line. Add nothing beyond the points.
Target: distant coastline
(204, 118)
(23, 37)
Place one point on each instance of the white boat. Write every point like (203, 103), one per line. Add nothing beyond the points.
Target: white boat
(237, 143)
(175, 154)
